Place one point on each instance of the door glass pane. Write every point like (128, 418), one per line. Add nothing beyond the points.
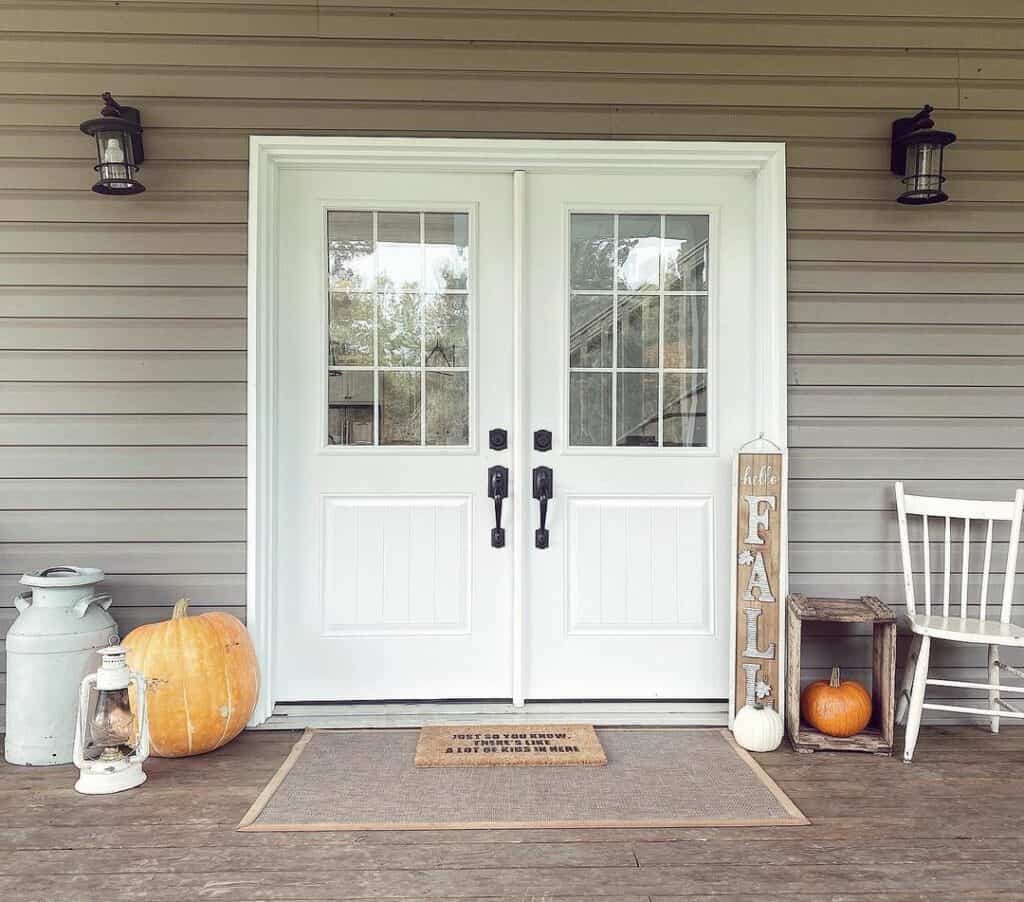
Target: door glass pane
(686, 332)
(446, 318)
(400, 408)
(637, 410)
(686, 410)
(398, 328)
(639, 329)
(686, 253)
(590, 330)
(350, 408)
(447, 408)
(590, 408)
(592, 251)
(399, 252)
(446, 240)
(351, 328)
(350, 250)
(639, 252)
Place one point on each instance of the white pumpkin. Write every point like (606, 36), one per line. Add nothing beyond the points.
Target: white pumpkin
(757, 728)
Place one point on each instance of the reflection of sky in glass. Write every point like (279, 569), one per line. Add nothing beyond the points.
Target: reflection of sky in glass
(446, 246)
(639, 253)
(399, 251)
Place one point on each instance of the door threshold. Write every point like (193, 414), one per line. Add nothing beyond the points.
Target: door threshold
(292, 716)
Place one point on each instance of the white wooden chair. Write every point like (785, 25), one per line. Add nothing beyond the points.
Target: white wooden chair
(992, 625)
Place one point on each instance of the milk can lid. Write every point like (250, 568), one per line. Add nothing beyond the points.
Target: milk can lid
(62, 576)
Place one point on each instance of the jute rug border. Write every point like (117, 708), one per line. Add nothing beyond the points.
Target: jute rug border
(248, 823)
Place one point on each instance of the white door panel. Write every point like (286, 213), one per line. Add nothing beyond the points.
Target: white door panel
(636, 285)
(388, 585)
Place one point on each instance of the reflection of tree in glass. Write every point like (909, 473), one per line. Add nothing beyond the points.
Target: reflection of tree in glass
(398, 328)
(447, 408)
(449, 273)
(351, 329)
(400, 408)
(347, 261)
(592, 259)
(446, 333)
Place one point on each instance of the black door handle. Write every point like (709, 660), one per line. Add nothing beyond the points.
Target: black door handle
(543, 491)
(497, 488)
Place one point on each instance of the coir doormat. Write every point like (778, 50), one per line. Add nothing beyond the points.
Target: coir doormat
(663, 777)
(509, 746)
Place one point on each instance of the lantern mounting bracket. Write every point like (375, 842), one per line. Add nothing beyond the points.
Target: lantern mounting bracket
(903, 127)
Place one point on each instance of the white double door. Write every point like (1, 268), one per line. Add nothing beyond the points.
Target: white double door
(420, 310)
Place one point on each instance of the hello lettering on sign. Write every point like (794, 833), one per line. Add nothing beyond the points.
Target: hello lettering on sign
(758, 574)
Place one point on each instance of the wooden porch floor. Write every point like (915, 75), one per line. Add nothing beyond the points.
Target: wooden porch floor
(946, 827)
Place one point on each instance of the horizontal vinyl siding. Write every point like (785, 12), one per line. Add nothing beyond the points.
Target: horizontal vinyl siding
(122, 357)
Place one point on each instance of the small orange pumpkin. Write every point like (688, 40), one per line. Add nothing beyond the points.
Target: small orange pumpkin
(836, 708)
(203, 680)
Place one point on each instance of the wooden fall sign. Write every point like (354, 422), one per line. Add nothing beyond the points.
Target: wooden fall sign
(758, 591)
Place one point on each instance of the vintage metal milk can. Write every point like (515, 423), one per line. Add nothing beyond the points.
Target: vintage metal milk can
(52, 645)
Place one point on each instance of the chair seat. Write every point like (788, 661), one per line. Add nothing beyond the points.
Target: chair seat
(967, 629)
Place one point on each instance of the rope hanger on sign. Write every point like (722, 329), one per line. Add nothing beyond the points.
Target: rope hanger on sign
(760, 438)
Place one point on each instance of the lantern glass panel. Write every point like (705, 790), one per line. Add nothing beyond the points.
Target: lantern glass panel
(111, 728)
(114, 154)
(924, 168)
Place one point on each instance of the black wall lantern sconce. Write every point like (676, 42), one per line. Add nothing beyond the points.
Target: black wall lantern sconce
(118, 134)
(917, 156)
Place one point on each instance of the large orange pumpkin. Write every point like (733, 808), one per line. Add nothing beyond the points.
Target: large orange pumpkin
(836, 708)
(203, 680)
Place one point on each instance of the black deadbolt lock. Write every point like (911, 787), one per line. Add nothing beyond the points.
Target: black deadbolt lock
(498, 439)
(542, 440)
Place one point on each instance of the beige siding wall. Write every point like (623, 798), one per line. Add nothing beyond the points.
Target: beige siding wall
(122, 362)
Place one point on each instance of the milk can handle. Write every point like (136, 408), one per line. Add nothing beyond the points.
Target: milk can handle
(23, 601)
(104, 601)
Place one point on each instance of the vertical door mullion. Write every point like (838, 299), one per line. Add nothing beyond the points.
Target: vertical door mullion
(520, 476)
(661, 334)
(423, 329)
(615, 329)
(376, 341)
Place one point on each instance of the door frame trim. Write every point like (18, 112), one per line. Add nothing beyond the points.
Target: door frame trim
(269, 155)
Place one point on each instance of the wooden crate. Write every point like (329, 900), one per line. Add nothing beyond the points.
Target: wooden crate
(878, 736)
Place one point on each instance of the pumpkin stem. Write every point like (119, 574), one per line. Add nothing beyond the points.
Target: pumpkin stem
(833, 681)
(180, 609)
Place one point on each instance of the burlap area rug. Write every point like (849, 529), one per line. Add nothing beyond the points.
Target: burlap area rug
(664, 777)
(509, 745)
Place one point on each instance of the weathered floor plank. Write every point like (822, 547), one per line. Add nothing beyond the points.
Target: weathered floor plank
(946, 827)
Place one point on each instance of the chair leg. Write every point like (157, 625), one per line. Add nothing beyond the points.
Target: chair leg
(903, 699)
(917, 699)
(993, 678)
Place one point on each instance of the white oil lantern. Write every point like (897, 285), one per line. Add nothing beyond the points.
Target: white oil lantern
(111, 740)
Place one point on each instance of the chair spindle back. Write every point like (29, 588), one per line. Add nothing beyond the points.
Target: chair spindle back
(952, 511)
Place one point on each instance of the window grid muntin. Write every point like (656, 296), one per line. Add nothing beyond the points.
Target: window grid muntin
(660, 371)
(376, 368)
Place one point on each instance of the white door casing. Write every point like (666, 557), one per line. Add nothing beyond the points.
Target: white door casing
(279, 163)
